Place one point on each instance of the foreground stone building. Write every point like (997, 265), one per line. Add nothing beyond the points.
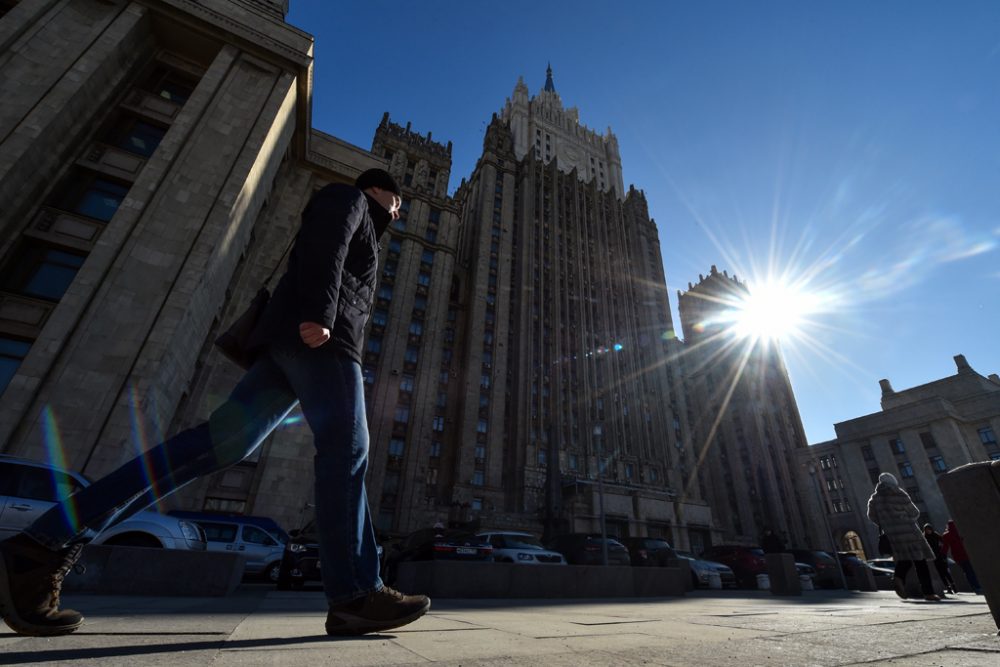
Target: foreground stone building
(920, 433)
(521, 368)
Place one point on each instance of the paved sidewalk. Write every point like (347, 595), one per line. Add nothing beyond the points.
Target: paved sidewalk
(260, 626)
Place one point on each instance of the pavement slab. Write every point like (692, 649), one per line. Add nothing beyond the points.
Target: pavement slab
(260, 626)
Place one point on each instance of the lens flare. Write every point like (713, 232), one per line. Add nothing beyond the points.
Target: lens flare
(55, 455)
(774, 311)
(142, 445)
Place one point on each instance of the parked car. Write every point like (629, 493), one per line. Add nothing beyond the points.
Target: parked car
(436, 544)
(702, 569)
(259, 539)
(647, 551)
(29, 488)
(807, 570)
(853, 566)
(746, 561)
(883, 569)
(587, 549)
(823, 563)
(520, 548)
(300, 559)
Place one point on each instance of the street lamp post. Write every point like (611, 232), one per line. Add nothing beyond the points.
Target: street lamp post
(826, 526)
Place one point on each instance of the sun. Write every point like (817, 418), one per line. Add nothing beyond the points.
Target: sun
(774, 311)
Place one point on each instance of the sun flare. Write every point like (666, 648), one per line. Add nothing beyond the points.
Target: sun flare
(774, 310)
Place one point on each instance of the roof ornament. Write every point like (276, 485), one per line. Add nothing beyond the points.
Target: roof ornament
(549, 86)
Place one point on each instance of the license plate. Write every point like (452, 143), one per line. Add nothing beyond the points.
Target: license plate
(466, 551)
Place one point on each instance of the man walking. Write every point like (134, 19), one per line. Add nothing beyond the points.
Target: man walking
(310, 340)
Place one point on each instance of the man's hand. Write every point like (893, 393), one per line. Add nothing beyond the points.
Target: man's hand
(313, 334)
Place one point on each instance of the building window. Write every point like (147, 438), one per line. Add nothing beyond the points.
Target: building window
(435, 451)
(629, 471)
(573, 461)
(416, 328)
(897, 445)
(484, 382)
(385, 292)
(986, 436)
(905, 469)
(169, 84)
(402, 414)
(427, 257)
(396, 448)
(478, 478)
(423, 279)
(480, 453)
(12, 353)
(431, 236)
(99, 199)
(438, 423)
(137, 137)
(867, 454)
(482, 426)
(42, 272)
(406, 384)
(395, 245)
(380, 318)
(653, 475)
(411, 355)
(374, 345)
(434, 217)
(938, 464)
(477, 505)
(543, 457)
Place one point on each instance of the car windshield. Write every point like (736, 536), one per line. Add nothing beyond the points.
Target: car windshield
(522, 542)
(757, 552)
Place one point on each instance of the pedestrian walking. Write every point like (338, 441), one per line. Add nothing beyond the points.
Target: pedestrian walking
(891, 508)
(951, 540)
(940, 560)
(308, 346)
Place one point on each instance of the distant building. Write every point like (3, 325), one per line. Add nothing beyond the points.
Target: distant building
(920, 433)
(746, 421)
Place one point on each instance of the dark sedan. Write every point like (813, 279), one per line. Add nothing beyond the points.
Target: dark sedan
(588, 549)
(436, 544)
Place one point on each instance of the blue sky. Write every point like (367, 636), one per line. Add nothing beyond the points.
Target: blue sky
(850, 147)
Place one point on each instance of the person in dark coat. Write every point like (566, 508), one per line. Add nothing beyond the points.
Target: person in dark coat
(940, 560)
(891, 508)
(951, 540)
(309, 344)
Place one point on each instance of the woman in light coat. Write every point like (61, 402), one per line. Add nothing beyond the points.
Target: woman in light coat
(891, 508)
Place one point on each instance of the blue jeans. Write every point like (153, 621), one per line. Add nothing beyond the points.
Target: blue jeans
(329, 388)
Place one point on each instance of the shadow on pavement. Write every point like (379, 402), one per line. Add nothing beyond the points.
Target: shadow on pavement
(90, 654)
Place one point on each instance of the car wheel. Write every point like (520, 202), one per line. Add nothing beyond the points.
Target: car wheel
(134, 540)
(273, 572)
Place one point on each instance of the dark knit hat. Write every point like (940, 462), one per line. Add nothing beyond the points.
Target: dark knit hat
(377, 178)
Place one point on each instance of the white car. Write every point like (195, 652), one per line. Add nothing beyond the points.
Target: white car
(511, 546)
(29, 488)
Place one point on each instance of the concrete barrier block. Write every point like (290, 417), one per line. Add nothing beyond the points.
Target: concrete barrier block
(145, 571)
(540, 581)
(783, 575)
(659, 581)
(972, 493)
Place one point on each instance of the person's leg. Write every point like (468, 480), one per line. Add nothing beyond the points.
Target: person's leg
(941, 565)
(331, 392)
(899, 577)
(34, 563)
(256, 405)
(924, 575)
(970, 574)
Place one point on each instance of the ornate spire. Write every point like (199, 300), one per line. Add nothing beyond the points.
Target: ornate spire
(549, 86)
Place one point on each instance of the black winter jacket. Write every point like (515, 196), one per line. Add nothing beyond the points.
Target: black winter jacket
(331, 274)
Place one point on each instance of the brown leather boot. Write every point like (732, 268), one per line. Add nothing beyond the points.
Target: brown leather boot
(375, 612)
(31, 579)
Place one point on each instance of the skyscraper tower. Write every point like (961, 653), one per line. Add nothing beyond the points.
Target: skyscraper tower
(747, 426)
(569, 347)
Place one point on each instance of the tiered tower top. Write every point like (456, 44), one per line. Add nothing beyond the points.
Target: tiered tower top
(541, 124)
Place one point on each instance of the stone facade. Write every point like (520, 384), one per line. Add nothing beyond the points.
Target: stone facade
(920, 433)
(747, 425)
